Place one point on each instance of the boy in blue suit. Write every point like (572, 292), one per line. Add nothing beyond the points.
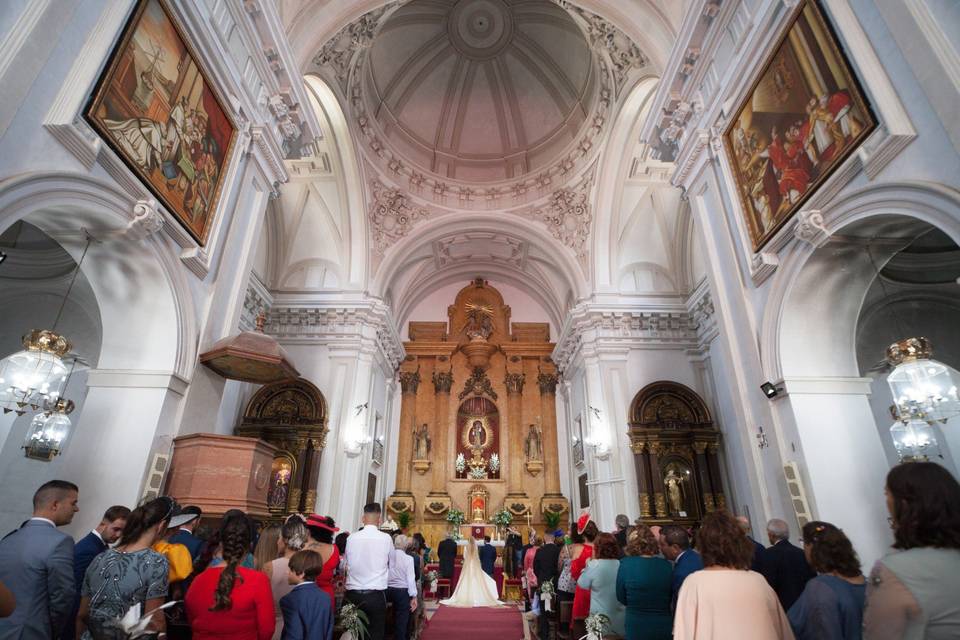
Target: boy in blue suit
(307, 610)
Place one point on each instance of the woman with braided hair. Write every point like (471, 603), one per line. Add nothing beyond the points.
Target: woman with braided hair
(228, 600)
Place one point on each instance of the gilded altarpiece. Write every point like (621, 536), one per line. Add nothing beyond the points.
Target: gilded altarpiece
(676, 452)
(485, 388)
(292, 416)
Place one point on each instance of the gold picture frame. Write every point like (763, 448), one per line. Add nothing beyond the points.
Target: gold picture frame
(156, 108)
(801, 118)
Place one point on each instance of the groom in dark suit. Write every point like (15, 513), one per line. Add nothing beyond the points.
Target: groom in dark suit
(488, 556)
(447, 553)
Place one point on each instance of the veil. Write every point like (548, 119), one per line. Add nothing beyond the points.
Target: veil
(475, 588)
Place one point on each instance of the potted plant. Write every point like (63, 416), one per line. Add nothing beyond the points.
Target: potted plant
(502, 518)
(552, 519)
(404, 518)
(455, 518)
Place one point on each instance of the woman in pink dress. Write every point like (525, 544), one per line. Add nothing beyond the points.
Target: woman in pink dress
(322, 529)
(725, 599)
(535, 542)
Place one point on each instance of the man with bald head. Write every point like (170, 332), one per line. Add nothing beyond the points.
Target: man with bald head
(758, 548)
(784, 565)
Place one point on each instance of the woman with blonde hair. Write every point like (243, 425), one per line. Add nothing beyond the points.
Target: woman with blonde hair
(266, 550)
(292, 538)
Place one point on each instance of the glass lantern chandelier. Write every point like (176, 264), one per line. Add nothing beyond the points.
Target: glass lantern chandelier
(914, 440)
(49, 430)
(923, 389)
(36, 375)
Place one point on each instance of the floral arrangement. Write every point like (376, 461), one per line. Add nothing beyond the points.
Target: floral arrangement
(552, 519)
(547, 593)
(404, 518)
(502, 518)
(455, 517)
(595, 624)
(477, 473)
(430, 578)
(461, 463)
(494, 462)
(354, 622)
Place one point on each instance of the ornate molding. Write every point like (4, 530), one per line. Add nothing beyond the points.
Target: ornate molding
(514, 383)
(548, 383)
(810, 226)
(568, 217)
(478, 384)
(442, 381)
(147, 220)
(392, 215)
(409, 382)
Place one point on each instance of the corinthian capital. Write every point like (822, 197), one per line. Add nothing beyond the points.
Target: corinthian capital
(442, 381)
(514, 383)
(409, 381)
(548, 383)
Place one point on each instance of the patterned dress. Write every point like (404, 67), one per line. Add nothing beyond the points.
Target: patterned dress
(115, 582)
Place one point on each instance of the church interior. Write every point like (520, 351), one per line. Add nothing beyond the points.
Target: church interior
(484, 262)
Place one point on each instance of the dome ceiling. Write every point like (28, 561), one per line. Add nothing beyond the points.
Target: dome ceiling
(479, 90)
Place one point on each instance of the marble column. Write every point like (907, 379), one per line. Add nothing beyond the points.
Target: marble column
(703, 476)
(548, 412)
(442, 382)
(514, 383)
(659, 493)
(713, 469)
(409, 383)
(643, 478)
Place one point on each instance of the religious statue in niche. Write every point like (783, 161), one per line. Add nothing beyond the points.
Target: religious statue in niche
(422, 444)
(478, 435)
(478, 503)
(674, 481)
(279, 484)
(533, 450)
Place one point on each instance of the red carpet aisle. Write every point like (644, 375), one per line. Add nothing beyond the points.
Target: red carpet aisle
(480, 623)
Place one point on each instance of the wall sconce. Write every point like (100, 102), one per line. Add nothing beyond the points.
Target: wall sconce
(598, 439)
(762, 439)
(356, 439)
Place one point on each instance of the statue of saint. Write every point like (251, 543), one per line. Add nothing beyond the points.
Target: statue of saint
(421, 442)
(532, 446)
(478, 435)
(674, 484)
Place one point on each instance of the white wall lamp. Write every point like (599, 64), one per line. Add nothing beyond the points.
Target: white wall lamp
(356, 437)
(598, 439)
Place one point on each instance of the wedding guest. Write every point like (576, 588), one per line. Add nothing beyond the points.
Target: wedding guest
(130, 574)
(675, 547)
(831, 605)
(293, 537)
(758, 548)
(228, 600)
(307, 612)
(623, 526)
(784, 565)
(600, 577)
(268, 547)
(178, 555)
(186, 532)
(581, 597)
(425, 550)
(511, 549)
(88, 548)
(341, 542)
(368, 554)
(726, 599)
(566, 585)
(322, 529)
(401, 586)
(36, 565)
(546, 564)
(912, 592)
(447, 554)
(528, 559)
(644, 583)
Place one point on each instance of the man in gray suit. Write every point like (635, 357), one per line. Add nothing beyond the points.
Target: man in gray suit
(36, 564)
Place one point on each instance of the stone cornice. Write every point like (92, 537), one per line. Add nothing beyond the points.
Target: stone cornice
(612, 327)
(367, 324)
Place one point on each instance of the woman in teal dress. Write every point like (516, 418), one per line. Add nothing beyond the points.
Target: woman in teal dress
(643, 586)
(600, 577)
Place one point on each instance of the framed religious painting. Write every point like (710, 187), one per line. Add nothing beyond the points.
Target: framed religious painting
(156, 108)
(803, 116)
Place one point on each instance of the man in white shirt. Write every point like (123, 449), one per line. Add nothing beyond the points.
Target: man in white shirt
(368, 567)
(401, 586)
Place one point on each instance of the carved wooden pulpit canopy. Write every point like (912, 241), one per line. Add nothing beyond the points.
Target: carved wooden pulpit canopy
(676, 451)
(292, 416)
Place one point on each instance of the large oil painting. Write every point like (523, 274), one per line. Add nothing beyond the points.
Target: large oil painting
(156, 109)
(804, 115)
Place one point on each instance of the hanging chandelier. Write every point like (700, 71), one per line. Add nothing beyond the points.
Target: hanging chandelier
(49, 430)
(923, 388)
(914, 440)
(35, 375)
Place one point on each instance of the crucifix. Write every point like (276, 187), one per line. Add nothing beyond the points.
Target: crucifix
(529, 518)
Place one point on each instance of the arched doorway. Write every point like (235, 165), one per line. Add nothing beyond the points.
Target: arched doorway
(676, 453)
(292, 416)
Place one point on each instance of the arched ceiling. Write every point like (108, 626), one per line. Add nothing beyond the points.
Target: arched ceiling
(479, 90)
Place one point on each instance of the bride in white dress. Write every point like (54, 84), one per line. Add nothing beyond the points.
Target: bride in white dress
(475, 588)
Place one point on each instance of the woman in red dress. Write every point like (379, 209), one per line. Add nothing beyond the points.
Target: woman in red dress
(322, 530)
(581, 597)
(228, 600)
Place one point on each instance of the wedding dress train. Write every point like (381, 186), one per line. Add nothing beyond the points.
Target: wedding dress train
(475, 588)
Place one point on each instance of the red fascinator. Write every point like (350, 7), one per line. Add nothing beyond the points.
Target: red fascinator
(321, 522)
(583, 520)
